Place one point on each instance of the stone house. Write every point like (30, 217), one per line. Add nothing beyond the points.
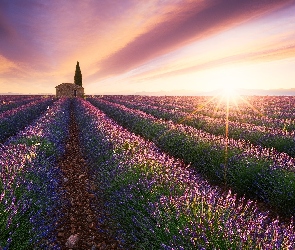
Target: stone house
(69, 90)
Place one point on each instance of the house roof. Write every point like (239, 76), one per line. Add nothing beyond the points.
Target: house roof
(69, 84)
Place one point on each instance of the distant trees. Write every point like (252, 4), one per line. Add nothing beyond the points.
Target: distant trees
(78, 75)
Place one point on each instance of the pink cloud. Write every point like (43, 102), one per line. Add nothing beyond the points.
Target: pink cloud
(41, 32)
(185, 24)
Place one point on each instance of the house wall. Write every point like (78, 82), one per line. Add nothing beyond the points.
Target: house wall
(80, 92)
(68, 90)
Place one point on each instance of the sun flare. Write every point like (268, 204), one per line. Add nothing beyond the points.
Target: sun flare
(229, 92)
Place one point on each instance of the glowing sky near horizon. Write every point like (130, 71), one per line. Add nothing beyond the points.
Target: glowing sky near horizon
(128, 46)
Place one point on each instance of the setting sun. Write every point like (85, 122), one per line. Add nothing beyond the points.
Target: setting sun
(229, 92)
(229, 95)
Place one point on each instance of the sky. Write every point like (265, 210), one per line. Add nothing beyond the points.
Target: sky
(134, 46)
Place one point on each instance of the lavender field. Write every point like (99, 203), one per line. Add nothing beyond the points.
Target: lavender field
(165, 172)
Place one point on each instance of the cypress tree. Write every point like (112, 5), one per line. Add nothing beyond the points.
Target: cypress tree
(78, 75)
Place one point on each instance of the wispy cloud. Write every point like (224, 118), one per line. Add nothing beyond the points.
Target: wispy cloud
(261, 56)
(186, 23)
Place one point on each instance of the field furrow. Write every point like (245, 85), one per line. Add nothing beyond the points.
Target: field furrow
(77, 227)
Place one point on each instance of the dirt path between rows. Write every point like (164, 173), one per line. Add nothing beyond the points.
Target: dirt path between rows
(79, 226)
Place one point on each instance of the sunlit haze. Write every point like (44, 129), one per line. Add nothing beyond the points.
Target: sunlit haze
(130, 46)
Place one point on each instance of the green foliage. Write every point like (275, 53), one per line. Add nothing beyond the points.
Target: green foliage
(43, 145)
(18, 228)
(78, 75)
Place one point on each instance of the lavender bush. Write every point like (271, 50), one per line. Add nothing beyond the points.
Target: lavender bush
(13, 120)
(10, 102)
(30, 199)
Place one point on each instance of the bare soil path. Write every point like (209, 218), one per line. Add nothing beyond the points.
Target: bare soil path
(79, 226)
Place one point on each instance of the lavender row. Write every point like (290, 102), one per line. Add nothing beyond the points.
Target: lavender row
(281, 140)
(279, 159)
(6, 99)
(16, 119)
(30, 198)
(276, 159)
(12, 104)
(14, 111)
(160, 203)
(259, 173)
(269, 111)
